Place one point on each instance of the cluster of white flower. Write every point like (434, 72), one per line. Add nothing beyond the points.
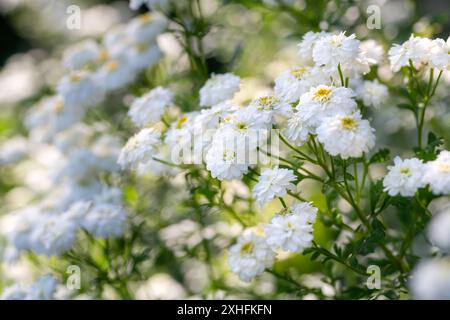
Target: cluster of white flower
(291, 230)
(422, 53)
(43, 289)
(74, 156)
(406, 176)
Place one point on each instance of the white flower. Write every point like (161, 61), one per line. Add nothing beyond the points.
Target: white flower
(105, 220)
(440, 54)
(149, 108)
(81, 54)
(337, 49)
(142, 55)
(346, 135)
(437, 173)
(53, 235)
(79, 89)
(15, 292)
(422, 52)
(226, 159)
(404, 177)
(372, 93)
(139, 148)
(270, 106)
(50, 116)
(431, 280)
(292, 230)
(115, 74)
(438, 230)
(306, 46)
(373, 51)
(297, 130)
(136, 4)
(250, 256)
(325, 101)
(145, 28)
(219, 88)
(13, 150)
(273, 183)
(43, 289)
(292, 83)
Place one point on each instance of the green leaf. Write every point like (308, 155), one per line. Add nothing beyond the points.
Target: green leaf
(380, 156)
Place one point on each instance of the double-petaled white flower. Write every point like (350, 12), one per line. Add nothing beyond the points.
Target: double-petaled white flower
(404, 177)
(219, 88)
(149, 108)
(139, 148)
(437, 173)
(292, 230)
(250, 256)
(273, 182)
(346, 135)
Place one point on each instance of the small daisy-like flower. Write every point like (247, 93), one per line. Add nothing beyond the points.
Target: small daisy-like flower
(297, 130)
(219, 88)
(373, 51)
(79, 89)
(333, 50)
(250, 256)
(292, 230)
(81, 54)
(145, 28)
(325, 101)
(273, 183)
(115, 74)
(139, 148)
(105, 220)
(415, 49)
(437, 173)
(372, 93)
(346, 135)
(149, 108)
(404, 177)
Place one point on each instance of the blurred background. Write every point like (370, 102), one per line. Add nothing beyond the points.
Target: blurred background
(254, 39)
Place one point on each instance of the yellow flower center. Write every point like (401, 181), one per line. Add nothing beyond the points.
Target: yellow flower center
(298, 72)
(103, 55)
(228, 155)
(241, 126)
(247, 248)
(348, 123)
(145, 18)
(444, 167)
(58, 107)
(405, 171)
(180, 122)
(141, 47)
(112, 65)
(322, 94)
(75, 78)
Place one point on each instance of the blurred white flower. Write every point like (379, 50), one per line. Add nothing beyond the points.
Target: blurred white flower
(437, 173)
(219, 88)
(430, 280)
(149, 108)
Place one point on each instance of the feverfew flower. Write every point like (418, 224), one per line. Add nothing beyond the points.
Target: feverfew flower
(79, 89)
(219, 88)
(81, 54)
(297, 130)
(337, 49)
(139, 148)
(115, 74)
(149, 108)
(53, 235)
(250, 256)
(437, 173)
(43, 289)
(13, 150)
(273, 183)
(372, 93)
(325, 101)
(431, 280)
(306, 46)
(292, 83)
(292, 230)
(143, 55)
(105, 220)
(145, 28)
(438, 230)
(226, 158)
(404, 177)
(270, 106)
(346, 135)
(414, 49)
